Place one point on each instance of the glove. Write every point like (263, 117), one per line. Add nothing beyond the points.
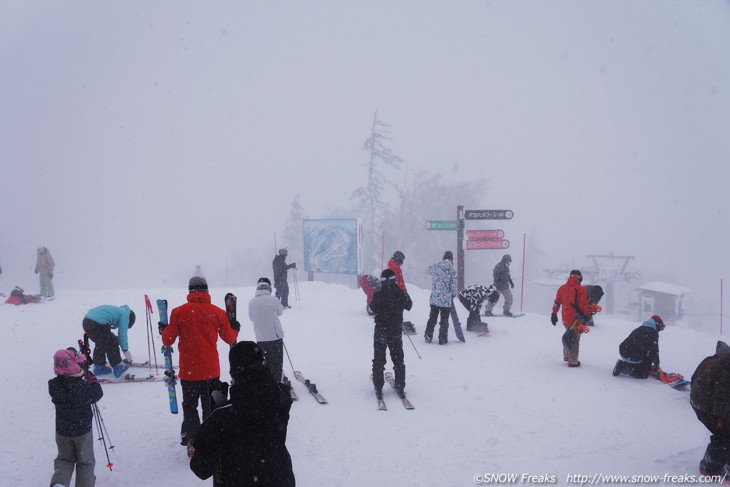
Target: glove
(295, 266)
(511, 284)
(236, 325)
(127, 356)
(36, 271)
(161, 326)
(91, 378)
(554, 319)
(718, 424)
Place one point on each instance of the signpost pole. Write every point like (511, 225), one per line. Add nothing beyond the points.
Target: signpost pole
(460, 248)
(522, 288)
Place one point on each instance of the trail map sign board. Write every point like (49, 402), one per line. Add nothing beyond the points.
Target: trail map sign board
(486, 244)
(442, 225)
(488, 214)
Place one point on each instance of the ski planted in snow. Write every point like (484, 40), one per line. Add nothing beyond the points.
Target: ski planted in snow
(143, 364)
(170, 377)
(311, 387)
(391, 380)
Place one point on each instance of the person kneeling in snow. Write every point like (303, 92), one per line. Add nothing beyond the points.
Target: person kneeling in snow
(640, 350)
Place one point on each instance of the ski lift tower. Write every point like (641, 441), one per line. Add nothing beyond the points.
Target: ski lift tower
(609, 269)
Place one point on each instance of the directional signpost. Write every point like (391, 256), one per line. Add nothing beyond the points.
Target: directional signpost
(486, 244)
(442, 225)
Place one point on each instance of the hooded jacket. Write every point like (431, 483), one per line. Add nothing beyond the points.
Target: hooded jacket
(247, 435)
(264, 311)
(198, 324)
(115, 317)
(44, 263)
(472, 297)
(500, 273)
(574, 300)
(642, 344)
(443, 283)
(280, 267)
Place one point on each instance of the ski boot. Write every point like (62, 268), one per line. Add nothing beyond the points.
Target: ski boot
(119, 369)
(102, 370)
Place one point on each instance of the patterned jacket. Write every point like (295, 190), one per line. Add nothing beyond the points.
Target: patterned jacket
(443, 286)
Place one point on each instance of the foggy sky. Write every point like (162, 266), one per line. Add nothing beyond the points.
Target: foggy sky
(130, 129)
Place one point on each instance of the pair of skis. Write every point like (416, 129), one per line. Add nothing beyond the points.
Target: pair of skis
(381, 402)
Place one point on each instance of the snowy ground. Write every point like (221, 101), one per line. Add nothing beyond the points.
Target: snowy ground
(505, 404)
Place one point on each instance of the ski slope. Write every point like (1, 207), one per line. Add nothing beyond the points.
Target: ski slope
(501, 406)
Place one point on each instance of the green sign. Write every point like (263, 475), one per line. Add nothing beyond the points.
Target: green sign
(442, 225)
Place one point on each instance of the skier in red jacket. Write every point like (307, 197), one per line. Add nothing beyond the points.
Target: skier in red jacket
(394, 264)
(197, 324)
(576, 312)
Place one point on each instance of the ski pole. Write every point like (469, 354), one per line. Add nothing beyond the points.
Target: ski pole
(150, 335)
(101, 438)
(414, 347)
(287, 356)
(296, 286)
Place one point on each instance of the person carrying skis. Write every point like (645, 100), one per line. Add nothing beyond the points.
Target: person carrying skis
(395, 264)
(473, 297)
(44, 266)
(73, 391)
(280, 276)
(388, 304)
(369, 284)
(99, 323)
(710, 400)
(576, 312)
(244, 441)
(443, 292)
(197, 324)
(264, 311)
(640, 350)
(502, 283)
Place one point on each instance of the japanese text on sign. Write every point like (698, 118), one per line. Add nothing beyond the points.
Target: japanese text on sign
(488, 214)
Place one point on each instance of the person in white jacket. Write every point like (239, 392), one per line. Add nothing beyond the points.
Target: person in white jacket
(264, 311)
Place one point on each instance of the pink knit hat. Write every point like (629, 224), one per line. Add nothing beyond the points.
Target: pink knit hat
(64, 363)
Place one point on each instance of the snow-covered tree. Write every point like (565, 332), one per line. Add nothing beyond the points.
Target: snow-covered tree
(371, 201)
(294, 232)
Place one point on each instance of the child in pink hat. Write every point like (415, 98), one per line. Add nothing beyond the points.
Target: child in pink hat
(73, 391)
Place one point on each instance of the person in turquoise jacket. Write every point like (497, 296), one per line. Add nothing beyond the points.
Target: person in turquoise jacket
(99, 323)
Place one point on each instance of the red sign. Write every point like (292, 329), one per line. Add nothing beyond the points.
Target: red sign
(486, 244)
(484, 234)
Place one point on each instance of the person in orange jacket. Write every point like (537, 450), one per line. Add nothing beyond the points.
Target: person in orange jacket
(576, 312)
(394, 264)
(197, 324)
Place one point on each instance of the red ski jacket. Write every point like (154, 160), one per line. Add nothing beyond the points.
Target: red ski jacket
(395, 267)
(198, 325)
(572, 295)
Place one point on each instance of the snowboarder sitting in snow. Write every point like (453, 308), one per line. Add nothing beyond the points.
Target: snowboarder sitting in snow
(246, 439)
(388, 305)
(17, 297)
(473, 297)
(99, 323)
(73, 391)
(640, 350)
(710, 399)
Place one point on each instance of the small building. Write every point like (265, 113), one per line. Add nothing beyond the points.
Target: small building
(661, 298)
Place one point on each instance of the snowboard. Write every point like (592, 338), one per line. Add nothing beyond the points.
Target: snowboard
(672, 379)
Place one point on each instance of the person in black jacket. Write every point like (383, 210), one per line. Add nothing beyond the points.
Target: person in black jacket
(281, 283)
(640, 350)
(243, 442)
(73, 391)
(388, 304)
